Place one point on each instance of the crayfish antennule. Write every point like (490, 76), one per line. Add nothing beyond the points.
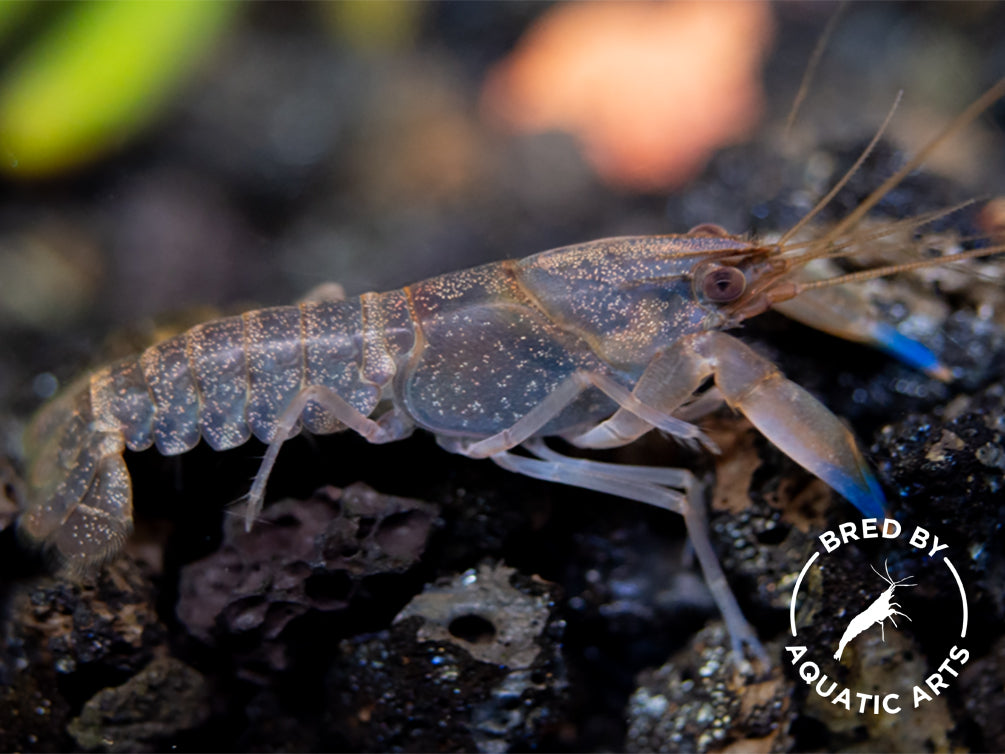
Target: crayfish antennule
(782, 291)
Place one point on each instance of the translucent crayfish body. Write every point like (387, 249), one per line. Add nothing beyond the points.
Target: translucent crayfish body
(596, 343)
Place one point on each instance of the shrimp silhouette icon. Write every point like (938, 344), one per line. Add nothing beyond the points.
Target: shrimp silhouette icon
(879, 611)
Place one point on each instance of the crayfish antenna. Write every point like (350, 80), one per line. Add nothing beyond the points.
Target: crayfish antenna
(823, 202)
(811, 67)
(961, 121)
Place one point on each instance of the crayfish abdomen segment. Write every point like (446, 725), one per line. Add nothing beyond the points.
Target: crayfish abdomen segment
(275, 355)
(81, 496)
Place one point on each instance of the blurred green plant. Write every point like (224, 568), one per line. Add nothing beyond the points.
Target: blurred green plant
(101, 71)
(11, 14)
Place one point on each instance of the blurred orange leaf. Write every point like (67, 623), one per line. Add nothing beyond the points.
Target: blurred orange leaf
(650, 89)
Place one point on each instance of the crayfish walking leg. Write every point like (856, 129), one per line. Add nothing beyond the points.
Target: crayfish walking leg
(676, 490)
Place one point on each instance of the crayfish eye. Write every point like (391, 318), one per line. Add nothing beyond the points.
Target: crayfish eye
(723, 284)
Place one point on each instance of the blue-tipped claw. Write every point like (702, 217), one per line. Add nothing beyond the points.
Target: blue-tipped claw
(797, 423)
(909, 351)
(864, 492)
